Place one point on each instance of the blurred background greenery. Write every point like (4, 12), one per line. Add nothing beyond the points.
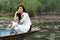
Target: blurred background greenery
(33, 7)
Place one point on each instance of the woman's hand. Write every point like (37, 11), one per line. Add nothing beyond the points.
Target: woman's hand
(16, 12)
(11, 22)
(16, 15)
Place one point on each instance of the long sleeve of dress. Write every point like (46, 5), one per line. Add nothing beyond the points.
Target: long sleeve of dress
(23, 18)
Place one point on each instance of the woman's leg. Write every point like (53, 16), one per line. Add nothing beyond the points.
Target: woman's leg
(13, 31)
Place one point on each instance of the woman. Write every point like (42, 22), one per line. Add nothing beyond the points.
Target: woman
(22, 21)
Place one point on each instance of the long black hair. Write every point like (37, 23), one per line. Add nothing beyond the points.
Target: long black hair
(19, 14)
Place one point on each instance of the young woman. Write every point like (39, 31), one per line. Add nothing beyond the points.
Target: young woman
(22, 22)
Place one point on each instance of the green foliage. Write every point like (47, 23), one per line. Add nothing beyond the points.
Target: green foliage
(33, 7)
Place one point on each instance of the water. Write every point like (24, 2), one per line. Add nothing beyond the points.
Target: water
(5, 32)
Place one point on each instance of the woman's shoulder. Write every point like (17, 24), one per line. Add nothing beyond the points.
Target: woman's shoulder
(25, 13)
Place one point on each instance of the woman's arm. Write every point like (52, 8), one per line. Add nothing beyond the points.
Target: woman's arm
(15, 16)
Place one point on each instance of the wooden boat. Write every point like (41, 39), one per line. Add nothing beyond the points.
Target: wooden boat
(19, 36)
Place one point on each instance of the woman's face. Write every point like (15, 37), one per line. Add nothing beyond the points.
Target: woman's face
(20, 10)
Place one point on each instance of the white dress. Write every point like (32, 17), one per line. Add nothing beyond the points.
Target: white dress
(24, 25)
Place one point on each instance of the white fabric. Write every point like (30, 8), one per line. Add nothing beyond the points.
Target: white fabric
(25, 26)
